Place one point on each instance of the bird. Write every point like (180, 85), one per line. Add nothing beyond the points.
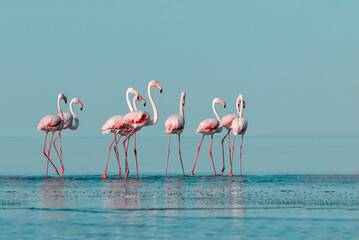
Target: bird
(112, 125)
(226, 122)
(52, 123)
(174, 125)
(239, 127)
(209, 126)
(137, 119)
(68, 119)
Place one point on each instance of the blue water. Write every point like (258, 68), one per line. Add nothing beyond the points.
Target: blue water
(293, 188)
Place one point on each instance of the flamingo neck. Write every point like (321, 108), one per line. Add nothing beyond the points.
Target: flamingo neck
(241, 108)
(59, 107)
(215, 112)
(77, 122)
(181, 106)
(154, 108)
(134, 103)
(128, 99)
(237, 107)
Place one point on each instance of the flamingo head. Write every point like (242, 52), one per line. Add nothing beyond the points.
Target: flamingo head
(62, 96)
(154, 83)
(77, 101)
(183, 96)
(140, 98)
(133, 91)
(217, 100)
(239, 101)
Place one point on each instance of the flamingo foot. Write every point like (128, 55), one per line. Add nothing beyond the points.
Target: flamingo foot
(192, 173)
(57, 171)
(119, 175)
(230, 174)
(62, 171)
(104, 176)
(222, 170)
(127, 172)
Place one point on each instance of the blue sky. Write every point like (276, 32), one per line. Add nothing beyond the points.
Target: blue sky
(295, 62)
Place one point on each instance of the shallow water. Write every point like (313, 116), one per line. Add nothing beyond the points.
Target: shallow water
(293, 188)
(279, 206)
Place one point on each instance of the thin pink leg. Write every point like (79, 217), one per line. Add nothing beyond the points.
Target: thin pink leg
(240, 156)
(223, 151)
(117, 156)
(210, 153)
(179, 152)
(59, 155)
(124, 148)
(48, 157)
(168, 153)
(126, 165)
(230, 173)
(108, 156)
(199, 148)
(135, 151)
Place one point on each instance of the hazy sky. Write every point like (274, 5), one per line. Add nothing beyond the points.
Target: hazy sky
(295, 62)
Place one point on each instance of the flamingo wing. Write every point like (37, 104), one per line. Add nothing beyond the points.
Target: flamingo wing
(68, 118)
(49, 121)
(226, 121)
(135, 118)
(208, 125)
(111, 123)
(174, 122)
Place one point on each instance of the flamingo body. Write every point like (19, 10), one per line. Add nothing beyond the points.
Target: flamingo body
(209, 126)
(135, 119)
(50, 123)
(239, 126)
(112, 125)
(175, 124)
(227, 120)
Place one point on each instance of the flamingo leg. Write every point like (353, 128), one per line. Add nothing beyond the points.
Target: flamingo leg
(117, 156)
(125, 149)
(210, 153)
(135, 151)
(59, 155)
(108, 156)
(179, 152)
(48, 157)
(240, 156)
(199, 148)
(223, 151)
(230, 173)
(168, 153)
(126, 165)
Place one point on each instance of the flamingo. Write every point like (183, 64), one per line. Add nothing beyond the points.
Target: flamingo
(174, 125)
(68, 119)
(112, 125)
(239, 127)
(226, 122)
(137, 119)
(209, 126)
(52, 123)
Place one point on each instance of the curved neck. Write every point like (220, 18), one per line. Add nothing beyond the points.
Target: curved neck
(134, 103)
(77, 122)
(154, 108)
(128, 100)
(237, 107)
(181, 106)
(59, 107)
(215, 112)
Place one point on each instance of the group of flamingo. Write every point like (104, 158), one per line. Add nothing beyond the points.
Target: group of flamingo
(127, 125)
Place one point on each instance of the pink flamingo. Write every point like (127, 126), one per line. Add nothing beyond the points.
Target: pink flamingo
(209, 126)
(52, 123)
(174, 125)
(112, 125)
(68, 119)
(239, 127)
(137, 119)
(226, 122)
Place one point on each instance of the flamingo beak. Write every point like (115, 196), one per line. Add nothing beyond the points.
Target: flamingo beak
(183, 102)
(244, 104)
(65, 99)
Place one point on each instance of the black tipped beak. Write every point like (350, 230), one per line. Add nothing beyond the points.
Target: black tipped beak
(144, 104)
(161, 91)
(66, 101)
(81, 109)
(224, 106)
